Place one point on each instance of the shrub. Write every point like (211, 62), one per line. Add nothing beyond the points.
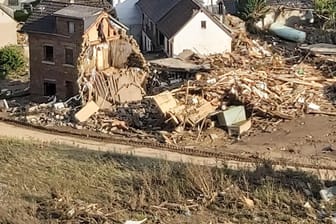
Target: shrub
(12, 61)
(327, 8)
(252, 10)
(20, 16)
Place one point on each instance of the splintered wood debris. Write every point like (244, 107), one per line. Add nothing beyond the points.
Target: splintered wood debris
(268, 86)
(112, 70)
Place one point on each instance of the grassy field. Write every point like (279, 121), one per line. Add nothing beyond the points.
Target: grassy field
(45, 183)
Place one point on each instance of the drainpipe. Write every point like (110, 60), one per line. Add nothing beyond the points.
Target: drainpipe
(212, 11)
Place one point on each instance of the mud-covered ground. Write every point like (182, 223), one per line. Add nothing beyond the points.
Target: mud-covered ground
(307, 140)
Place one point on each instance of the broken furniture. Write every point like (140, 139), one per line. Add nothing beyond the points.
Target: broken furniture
(234, 118)
(180, 112)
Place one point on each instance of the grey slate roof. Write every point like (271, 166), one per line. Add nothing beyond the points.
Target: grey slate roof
(42, 20)
(78, 11)
(93, 3)
(177, 17)
(183, 10)
(156, 9)
(86, 13)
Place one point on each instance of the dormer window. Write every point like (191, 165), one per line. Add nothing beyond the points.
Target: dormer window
(71, 27)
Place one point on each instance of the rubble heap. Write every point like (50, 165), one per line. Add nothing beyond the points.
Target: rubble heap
(112, 70)
(252, 76)
(269, 85)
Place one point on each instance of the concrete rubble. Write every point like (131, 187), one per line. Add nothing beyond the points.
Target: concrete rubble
(87, 111)
(328, 194)
(3, 105)
(250, 88)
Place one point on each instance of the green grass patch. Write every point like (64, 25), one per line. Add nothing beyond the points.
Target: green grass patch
(50, 183)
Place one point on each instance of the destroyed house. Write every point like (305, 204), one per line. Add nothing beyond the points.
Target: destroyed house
(59, 35)
(177, 25)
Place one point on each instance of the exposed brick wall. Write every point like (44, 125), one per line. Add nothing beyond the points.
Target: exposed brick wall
(58, 71)
(62, 26)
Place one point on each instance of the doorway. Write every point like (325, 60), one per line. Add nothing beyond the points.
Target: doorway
(69, 89)
(49, 87)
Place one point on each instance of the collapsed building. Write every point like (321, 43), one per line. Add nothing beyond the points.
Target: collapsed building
(75, 49)
(187, 95)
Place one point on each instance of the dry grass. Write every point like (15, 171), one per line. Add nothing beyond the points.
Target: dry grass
(41, 183)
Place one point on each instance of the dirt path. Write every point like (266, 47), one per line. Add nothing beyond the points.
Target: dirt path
(8, 130)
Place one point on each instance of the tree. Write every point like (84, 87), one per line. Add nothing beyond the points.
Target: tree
(252, 10)
(12, 61)
(327, 10)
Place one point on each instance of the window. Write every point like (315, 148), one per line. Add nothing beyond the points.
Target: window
(69, 56)
(49, 87)
(48, 53)
(220, 8)
(203, 24)
(71, 27)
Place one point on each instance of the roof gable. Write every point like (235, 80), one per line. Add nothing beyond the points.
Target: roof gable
(42, 19)
(5, 18)
(156, 9)
(181, 14)
(93, 3)
(177, 17)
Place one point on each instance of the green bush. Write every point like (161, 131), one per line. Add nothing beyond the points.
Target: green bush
(12, 61)
(252, 10)
(327, 8)
(20, 16)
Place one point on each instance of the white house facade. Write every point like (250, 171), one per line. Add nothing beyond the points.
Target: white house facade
(203, 35)
(8, 25)
(177, 25)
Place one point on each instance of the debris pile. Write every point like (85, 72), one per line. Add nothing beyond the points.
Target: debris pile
(52, 113)
(231, 91)
(70, 210)
(142, 115)
(112, 70)
(269, 86)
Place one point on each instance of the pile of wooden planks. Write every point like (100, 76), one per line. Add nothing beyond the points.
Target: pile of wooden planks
(267, 86)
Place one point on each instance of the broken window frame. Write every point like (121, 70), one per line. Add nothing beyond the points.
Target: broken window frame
(71, 27)
(66, 59)
(203, 24)
(46, 58)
